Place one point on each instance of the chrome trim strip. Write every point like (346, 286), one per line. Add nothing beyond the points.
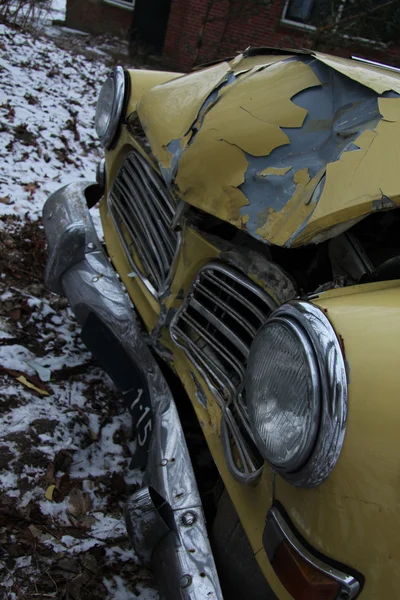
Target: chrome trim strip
(277, 530)
(223, 368)
(174, 526)
(376, 64)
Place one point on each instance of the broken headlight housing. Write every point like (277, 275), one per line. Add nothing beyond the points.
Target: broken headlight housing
(296, 392)
(109, 107)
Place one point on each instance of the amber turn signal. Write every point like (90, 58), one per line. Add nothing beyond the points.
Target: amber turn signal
(305, 574)
(302, 580)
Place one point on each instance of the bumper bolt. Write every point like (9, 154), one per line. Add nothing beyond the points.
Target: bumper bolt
(185, 581)
(95, 279)
(164, 462)
(189, 518)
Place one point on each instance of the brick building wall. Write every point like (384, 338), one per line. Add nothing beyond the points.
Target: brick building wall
(201, 31)
(98, 16)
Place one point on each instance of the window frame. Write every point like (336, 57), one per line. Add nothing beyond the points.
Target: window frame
(123, 4)
(307, 27)
(286, 21)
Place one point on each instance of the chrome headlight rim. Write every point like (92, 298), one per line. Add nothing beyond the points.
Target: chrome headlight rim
(118, 77)
(332, 392)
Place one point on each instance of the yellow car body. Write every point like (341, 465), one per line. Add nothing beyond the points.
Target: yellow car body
(206, 130)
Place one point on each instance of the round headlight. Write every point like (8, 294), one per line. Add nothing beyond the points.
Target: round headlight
(296, 393)
(109, 107)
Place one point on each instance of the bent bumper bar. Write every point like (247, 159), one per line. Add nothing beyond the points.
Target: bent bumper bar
(165, 518)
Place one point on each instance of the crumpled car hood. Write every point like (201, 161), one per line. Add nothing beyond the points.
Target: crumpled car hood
(292, 148)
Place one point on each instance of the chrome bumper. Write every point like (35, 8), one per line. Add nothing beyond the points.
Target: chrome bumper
(165, 518)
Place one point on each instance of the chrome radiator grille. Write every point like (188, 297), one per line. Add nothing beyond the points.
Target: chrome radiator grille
(215, 327)
(143, 213)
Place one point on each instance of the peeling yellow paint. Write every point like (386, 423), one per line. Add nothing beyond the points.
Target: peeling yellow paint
(142, 81)
(168, 111)
(389, 109)
(375, 78)
(214, 164)
(280, 171)
(249, 118)
(359, 178)
(280, 225)
(209, 174)
(302, 177)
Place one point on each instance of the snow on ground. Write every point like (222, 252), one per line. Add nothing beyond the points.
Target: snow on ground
(48, 99)
(64, 432)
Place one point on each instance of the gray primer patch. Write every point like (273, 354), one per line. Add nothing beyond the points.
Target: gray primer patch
(314, 200)
(338, 111)
(175, 148)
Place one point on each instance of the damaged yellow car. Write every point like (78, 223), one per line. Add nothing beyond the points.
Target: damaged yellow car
(251, 211)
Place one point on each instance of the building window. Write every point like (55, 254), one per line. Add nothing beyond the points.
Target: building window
(371, 20)
(305, 12)
(129, 4)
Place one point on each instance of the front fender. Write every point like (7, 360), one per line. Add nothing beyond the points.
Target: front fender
(353, 516)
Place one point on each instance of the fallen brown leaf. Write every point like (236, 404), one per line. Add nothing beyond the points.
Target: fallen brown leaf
(80, 503)
(31, 188)
(15, 314)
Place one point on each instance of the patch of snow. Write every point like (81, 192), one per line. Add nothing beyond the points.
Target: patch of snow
(107, 527)
(16, 357)
(47, 120)
(118, 591)
(78, 436)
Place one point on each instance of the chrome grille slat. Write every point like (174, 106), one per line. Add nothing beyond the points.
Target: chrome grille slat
(148, 218)
(152, 216)
(215, 327)
(237, 295)
(130, 214)
(206, 363)
(242, 448)
(228, 333)
(227, 308)
(209, 318)
(217, 346)
(167, 205)
(143, 212)
(133, 239)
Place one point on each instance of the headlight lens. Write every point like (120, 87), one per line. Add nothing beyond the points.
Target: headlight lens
(109, 107)
(282, 385)
(296, 393)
